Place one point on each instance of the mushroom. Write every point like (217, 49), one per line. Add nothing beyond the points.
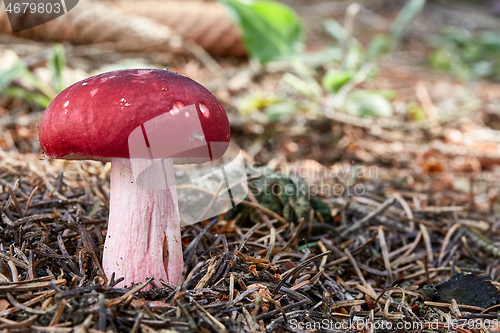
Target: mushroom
(144, 121)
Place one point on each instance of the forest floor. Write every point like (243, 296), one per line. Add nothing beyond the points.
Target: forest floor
(395, 206)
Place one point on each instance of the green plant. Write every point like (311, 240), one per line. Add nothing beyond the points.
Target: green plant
(56, 63)
(354, 64)
(365, 103)
(273, 32)
(467, 55)
(19, 82)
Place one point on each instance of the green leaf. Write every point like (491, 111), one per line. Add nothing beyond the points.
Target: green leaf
(467, 55)
(363, 103)
(56, 65)
(377, 47)
(256, 101)
(491, 40)
(386, 93)
(483, 68)
(18, 71)
(277, 112)
(441, 59)
(318, 58)
(307, 88)
(30, 97)
(335, 29)
(354, 57)
(415, 112)
(334, 79)
(404, 18)
(270, 30)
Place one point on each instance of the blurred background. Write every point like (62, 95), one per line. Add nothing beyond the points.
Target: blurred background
(389, 110)
(409, 86)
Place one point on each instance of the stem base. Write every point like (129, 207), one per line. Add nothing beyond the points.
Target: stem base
(143, 238)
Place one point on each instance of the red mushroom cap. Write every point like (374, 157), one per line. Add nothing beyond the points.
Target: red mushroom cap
(97, 118)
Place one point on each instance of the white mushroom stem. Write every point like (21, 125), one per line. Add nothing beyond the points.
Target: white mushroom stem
(144, 237)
